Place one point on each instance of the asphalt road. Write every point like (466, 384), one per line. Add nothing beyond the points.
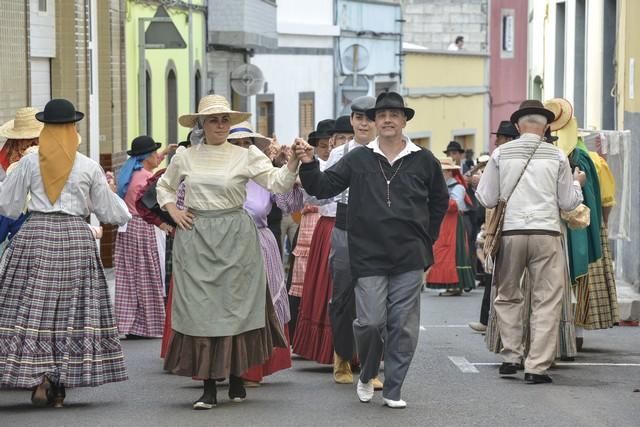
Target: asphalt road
(595, 390)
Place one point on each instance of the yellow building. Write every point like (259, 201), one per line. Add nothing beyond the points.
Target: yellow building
(172, 62)
(449, 91)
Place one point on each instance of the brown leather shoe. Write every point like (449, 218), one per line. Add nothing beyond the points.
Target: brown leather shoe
(342, 373)
(377, 384)
(40, 396)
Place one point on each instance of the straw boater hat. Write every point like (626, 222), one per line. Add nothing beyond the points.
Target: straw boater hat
(210, 105)
(448, 165)
(23, 126)
(243, 130)
(563, 111)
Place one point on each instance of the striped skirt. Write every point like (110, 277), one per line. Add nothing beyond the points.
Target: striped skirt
(56, 319)
(301, 251)
(139, 286)
(597, 299)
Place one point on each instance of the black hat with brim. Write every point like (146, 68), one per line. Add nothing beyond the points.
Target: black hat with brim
(343, 125)
(143, 145)
(506, 128)
(454, 146)
(532, 106)
(59, 111)
(390, 101)
(324, 128)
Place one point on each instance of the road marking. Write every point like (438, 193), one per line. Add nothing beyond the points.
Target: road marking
(423, 327)
(564, 364)
(464, 365)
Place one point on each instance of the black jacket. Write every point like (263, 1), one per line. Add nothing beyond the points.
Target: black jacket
(385, 240)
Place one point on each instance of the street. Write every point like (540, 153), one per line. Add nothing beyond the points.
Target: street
(595, 390)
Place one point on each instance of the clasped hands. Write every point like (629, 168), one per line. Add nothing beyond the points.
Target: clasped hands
(302, 150)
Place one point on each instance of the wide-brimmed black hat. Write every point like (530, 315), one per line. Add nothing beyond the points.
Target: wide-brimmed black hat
(342, 125)
(324, 129)
(143, 145)
(454, 146)
(390, 101)
(506, 128)
(59, 111)
(532, 106)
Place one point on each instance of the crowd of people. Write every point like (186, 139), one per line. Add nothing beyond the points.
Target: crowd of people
(200, 259)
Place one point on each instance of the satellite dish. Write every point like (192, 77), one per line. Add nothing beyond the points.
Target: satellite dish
(247, 80)
(355, 58)
(354, 86)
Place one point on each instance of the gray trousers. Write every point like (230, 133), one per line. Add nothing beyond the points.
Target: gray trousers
(342, 307)
(388, 321)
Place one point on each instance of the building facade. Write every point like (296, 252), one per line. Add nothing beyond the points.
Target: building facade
(298, 75)
(449, 92)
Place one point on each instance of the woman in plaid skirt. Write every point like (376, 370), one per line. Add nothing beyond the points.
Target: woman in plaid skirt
(139, 285)
(222, 315)
(57, 327)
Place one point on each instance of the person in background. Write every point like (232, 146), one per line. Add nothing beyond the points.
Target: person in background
(458, 44)
(455, 152)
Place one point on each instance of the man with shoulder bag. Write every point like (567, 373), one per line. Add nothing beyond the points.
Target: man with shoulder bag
(528, 182)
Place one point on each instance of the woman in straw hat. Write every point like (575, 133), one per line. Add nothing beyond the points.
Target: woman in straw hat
(139, 285)
(22, 134)
(258, 204)
(223, 323)
(57, 327)
(452, 269)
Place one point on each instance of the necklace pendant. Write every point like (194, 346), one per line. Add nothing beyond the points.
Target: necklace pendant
(389, 203)
(388, 182)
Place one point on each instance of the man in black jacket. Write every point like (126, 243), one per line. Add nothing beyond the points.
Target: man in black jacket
(397, 200)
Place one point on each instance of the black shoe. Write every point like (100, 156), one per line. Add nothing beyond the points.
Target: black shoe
(537, 379)
(209, 398)
(509, 368)
(237, 392)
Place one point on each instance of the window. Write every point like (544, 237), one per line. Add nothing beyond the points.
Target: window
(507, 33)
(424, 142)
(42, 5)
(306, 107)
(172, 108)
(264, 119)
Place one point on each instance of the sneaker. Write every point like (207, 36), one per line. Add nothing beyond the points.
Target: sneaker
(394, 404)
(365, 391)
(478, 327)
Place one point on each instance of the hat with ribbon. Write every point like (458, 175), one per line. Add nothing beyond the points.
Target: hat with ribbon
(532, 106)
(454, 146)
(59, 111)
(143, 145)
(447, 164)
(23, 126)
(563, 111)
(243, 130)
(390, 101)
(324, 129)
(212, 105)
(506, 128)
(342, 125)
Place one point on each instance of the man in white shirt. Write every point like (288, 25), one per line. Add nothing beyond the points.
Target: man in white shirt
(536, 180)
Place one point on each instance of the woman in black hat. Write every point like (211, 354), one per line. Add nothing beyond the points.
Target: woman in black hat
(57, 327)
(139, 285)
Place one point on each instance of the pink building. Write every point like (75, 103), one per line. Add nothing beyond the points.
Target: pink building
(508, 65)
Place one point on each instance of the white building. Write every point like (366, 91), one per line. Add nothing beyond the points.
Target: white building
(299, 73)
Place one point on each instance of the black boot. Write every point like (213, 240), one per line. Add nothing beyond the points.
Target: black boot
(58, 394)
(209, 398)
(237, 392)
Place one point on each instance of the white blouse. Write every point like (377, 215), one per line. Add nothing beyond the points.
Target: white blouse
(215, 176)
(86, 191)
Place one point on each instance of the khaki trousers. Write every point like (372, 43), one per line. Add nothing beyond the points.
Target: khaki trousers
(543, 257)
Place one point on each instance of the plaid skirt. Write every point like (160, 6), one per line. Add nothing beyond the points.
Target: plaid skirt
(56, 319)
(139, 286)
(596, 296)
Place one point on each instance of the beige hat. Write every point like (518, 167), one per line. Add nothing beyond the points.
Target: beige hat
(243, 130)
(23, 126)
(209, 106)
(563, 111)
(447, 164)
(484, 158)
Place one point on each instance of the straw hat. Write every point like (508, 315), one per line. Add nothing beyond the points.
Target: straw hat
(23, 126)
(484, 158)
(448, 165)
(563, 111)
(210, 105)
(243, 130)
